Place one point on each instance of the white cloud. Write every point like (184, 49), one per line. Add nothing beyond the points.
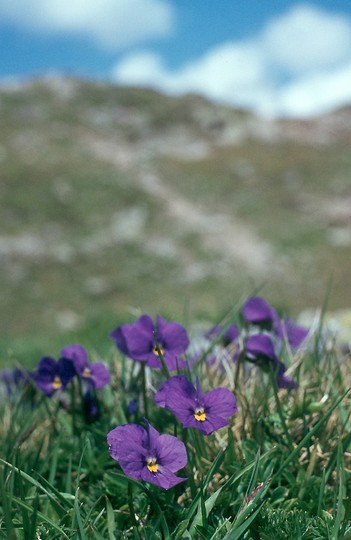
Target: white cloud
(228, 73)
(298, 65)
(306, 39)
(317, 93)
(144, 68)
(111, 24)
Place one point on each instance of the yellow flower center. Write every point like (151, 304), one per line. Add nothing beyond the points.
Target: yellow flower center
(152, 465)
(86, 373)
(56, 383)
(199, 414)
(156, 350)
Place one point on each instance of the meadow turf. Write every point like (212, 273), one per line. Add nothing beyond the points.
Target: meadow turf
(279, 471)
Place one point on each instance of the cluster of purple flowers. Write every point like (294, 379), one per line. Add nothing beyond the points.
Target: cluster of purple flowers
(257, 311)
(261, 340)
(263, 345)
(51, 376)
(142, 452)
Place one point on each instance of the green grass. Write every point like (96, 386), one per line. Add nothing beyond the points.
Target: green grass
(281, 470)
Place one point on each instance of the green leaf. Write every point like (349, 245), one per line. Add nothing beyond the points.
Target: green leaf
(208, 504)
(43, 518)
(180, 529)
(111, 524)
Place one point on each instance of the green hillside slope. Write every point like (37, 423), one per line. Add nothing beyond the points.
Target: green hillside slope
(116, 201)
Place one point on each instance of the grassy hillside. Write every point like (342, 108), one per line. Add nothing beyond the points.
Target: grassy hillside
(116, 201)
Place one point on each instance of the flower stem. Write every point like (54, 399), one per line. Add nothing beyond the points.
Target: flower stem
(161, 358)
(131, 509)
(143, 382)
(237, 371)
(280, 410)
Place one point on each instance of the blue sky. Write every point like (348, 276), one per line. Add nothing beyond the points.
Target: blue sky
(275, 57)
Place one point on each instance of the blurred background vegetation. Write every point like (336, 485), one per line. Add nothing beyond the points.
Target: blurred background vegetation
(117, 201)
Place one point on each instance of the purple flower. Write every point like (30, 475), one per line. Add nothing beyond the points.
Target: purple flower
(139, 341)
(205, 411)
(144, 454)
(293, 333)
(51, 376)
(227, 335)
(259, 348)
(257, 311)
(90, 407)
(96, 373)
(284, 380)
(132, 407)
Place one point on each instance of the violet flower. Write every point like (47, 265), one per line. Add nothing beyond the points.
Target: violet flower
(91, 411)
(206, 412)
(257, 311)
(225, 335)
(132, 407)
(96, 373)
(51, 376)
(284, 380)
(259, 349)
(142, 340)
(294, 334)
(144, 454)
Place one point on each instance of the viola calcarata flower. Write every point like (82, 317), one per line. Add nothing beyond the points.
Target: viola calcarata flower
(145, 454)
(260, 350)
(143, 341)
(96, 373)
(51, 375)
(205, 411)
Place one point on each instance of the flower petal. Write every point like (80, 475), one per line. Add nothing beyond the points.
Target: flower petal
(284, 380)
(260, 346)
(47, 367)
(178, 395)
(78, 355)
(219, 402)
(164, 478)
(66, 370)
(100, 374)
(171, 452)
(135, 339)
(256, 310)
(173, 362)
(295, 334)
(172, 335)
(125, 440)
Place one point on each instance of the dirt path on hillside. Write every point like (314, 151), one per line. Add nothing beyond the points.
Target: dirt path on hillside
(222, 235)
(218, 233)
